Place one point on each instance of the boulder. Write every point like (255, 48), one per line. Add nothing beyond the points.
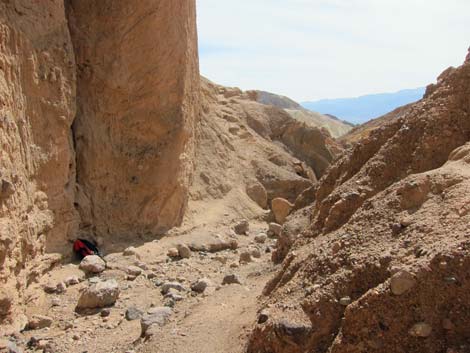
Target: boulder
(281, 209)
(93, 264)
(99, 295)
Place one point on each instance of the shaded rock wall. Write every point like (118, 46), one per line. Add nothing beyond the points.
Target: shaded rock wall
(137, 73)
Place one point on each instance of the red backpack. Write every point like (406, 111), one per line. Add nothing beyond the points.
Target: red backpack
(83, 248)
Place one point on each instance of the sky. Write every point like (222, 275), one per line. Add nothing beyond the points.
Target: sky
(315, 49)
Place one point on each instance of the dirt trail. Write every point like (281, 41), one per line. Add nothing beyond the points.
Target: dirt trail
(217, 320)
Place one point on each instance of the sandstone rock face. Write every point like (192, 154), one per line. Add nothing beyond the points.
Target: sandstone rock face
(136, 112)
(37, 164)
(415, 167)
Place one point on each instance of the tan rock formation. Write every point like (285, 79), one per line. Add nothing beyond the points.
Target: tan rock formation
(136, 113)
(395, 203)
(37, 107)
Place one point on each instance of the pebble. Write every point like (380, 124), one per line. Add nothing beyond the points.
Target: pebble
(345, 301)
(261, 238)
(421, 329)
(72, 280)
(231, 279)
(105, 312)
(172, 285)
(200, 285)
(184, 251)
(401, 282)
(263, 317)
(134, 271)
(242, 227)
(255, 253)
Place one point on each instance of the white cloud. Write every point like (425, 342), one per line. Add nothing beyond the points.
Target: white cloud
(309, 49)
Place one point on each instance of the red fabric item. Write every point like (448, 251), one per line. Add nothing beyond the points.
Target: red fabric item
(81, 248)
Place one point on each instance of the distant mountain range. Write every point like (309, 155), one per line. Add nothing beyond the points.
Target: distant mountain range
(358, 110)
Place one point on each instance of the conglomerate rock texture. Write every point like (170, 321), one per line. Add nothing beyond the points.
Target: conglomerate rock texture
(98, 101)
(384, 263)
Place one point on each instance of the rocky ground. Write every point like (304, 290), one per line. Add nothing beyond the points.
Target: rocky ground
(193, 291)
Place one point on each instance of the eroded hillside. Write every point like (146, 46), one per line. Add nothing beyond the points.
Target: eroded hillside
(383, 265)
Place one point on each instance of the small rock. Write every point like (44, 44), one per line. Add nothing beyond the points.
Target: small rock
(172, 285)
(201, 284)
(155, 316)
(141, 265)
(184, 251)
(133, 313)
(448, 325)
(174, 295)
(231, 279)
(245, 257)
(75, 337)
(99, 295)
(275, 229)
(222, 259)
(263, 317)
(234, 265)
(345, 301)
(261, 238)
(255, 253)
(134, 270)
(406, 222)
(61, 287)
(401, 282)
(93, 264)
(173, 252)
(72, 280)
(105, 312)
(242, 227)
(55, 302)
(38, 322)
(421, 329)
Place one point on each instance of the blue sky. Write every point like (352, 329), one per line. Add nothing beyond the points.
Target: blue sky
(313, 49)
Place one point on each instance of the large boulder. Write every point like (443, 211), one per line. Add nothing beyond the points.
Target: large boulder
(99, 295)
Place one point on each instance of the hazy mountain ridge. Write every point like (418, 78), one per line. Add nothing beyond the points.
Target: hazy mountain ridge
(358, 110)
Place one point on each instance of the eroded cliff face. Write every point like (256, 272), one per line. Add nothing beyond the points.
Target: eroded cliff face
(127, 106)
(137, 73)
(37, 107)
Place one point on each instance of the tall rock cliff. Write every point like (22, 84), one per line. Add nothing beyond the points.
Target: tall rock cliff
(137, 73)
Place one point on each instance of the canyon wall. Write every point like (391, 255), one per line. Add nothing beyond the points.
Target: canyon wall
(137, 73)
(118, 84)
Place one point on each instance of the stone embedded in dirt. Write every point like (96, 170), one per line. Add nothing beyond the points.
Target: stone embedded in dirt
(245, 257)
(263, 316)
(255, 252)
(242, 227)
(406, 222)
(173, 294)
(105, 312)
(173, 252)
(401, 282)
(213, 245)
(92, 264)
(231, 279)
(72, 280)
(261, 238)
(172, 285)
(38, 322)
(345, 301)
(201, 284)
(156, 316)
(141, 265)
(274, 229)
(184, 251)
(134, 271)
(222, 259)
(133, 313)
(258, 194)
(281, 209)
(421, 329)
(99, 295)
